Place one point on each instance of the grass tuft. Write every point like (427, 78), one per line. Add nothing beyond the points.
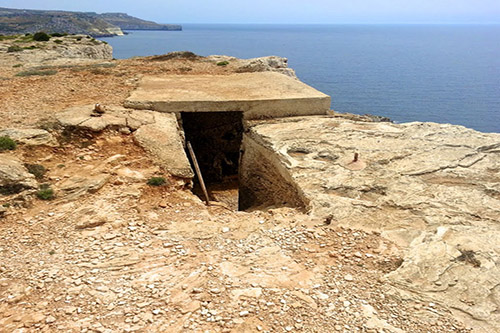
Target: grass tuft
(45, 192)
(157, 181)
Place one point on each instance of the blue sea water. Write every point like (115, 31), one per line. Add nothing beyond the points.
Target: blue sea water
(438, 73)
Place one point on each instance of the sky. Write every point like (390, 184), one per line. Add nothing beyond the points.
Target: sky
(284, 11)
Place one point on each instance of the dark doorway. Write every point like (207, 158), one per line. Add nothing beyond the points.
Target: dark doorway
(216, 140)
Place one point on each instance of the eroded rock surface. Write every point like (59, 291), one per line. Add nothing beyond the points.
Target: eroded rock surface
(432, 188)
(162, 140)
(30, 136)
(13, 176)
(115, 117)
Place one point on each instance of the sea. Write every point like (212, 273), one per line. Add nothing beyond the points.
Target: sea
(436, 73)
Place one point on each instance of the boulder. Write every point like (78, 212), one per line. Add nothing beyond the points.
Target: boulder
(14, 177)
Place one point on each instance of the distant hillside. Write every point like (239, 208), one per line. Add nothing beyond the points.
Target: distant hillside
(17, 21)
(127, 22)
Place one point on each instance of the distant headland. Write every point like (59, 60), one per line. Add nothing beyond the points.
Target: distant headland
(17, 21)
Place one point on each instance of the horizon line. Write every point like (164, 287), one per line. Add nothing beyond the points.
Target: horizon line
(342, 23)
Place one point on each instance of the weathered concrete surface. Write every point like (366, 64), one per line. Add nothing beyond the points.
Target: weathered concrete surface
(257, 95)
(434, 189)
(163, 141)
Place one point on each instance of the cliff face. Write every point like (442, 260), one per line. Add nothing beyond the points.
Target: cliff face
(127, 22)
(19, 21)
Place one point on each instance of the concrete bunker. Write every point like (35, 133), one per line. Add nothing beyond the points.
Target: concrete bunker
(237, 170)
(216, 140)
(214, 112)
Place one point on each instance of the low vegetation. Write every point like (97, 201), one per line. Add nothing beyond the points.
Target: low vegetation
(223, 63)
(14, 48)
(36, 170)
(45, 192)
(57, 34)
(7, 143)
(35, 72)
(156, 181)
(41, 37)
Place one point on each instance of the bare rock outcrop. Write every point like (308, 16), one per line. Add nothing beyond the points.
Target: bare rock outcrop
(261, 64)
(60, 50)
(13, 176)
(162, 140)
(434, 189)
(30, 136)
(158, 133)
(113, 117)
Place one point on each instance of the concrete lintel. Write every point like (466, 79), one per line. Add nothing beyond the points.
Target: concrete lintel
(257, 95)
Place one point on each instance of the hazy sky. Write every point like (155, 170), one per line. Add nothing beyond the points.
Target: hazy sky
(285, 11)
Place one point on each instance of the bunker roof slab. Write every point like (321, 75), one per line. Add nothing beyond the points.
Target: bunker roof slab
(258, 95)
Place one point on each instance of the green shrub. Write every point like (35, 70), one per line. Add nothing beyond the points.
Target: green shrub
(223, 63)
(17, 65)
(11, 189)
(78, 39)
(45, 192)
(157, 181)
(58, 41)
(31, 47)
(41, 37)
(7, 143)
(14, 48)
(37, 170)
(35, 72)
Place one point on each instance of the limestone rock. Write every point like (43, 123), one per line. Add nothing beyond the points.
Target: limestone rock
(115, 117)
(30, 136)
(13, 176)
(162, 139)
(264, 64)
(76, 186)
(431, 188)
(458, 266)
(55, 53)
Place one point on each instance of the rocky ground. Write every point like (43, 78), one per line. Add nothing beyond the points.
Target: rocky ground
(133, 257)
(111, 253)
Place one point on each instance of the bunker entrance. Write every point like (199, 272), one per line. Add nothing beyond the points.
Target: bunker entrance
(216, 139)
